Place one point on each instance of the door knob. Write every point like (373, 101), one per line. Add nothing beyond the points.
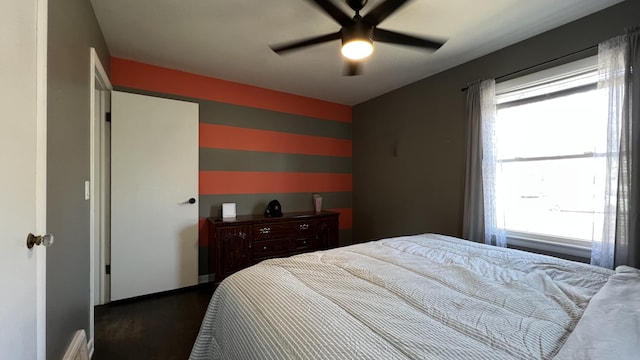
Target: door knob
(192, 201)
(45, 240)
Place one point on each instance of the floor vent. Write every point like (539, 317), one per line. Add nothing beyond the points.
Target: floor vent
(77, 350)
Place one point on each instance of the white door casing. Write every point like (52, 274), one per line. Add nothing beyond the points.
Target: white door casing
(23, 66)
(154, 172)
(100, 88)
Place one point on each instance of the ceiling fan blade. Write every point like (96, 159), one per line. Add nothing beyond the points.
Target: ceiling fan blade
(402, 39)
(382, 11)
(306, 42)
(352, 68)
(333, 11)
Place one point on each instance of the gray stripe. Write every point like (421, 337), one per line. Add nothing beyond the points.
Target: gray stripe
(212, 112)
(238, 160)
(210, 205)
(246, 117)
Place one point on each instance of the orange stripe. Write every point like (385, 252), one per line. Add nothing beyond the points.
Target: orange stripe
(230, 137)
(250, 182)
(142, 76)
(203, 232)
(346, 217)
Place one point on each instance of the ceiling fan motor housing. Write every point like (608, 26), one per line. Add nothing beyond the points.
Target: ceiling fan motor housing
(359, 30)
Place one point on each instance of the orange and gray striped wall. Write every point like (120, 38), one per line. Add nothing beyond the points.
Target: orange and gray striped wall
(256, 144)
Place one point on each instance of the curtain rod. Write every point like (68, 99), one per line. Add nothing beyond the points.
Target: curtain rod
(540, 64)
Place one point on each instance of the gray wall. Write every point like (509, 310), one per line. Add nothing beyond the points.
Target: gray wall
(73, 29)
(409, 144)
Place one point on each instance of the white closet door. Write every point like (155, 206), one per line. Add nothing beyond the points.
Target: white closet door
(154, 173)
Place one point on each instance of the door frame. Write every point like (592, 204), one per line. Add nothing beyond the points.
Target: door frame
(42, 21)
(100, 86)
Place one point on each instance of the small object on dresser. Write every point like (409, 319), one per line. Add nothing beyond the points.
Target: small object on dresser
(273, 209)
(317, 202)
(228, 211)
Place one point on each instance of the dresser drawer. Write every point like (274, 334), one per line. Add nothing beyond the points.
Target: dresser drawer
(270, 248)
(277, 230)
(303, 244)
(266, 249)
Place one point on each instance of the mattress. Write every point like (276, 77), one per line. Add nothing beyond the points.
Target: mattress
(414, 297)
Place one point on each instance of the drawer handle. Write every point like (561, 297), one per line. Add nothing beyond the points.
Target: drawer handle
(264, 248)
(304, 226)
(265, 230)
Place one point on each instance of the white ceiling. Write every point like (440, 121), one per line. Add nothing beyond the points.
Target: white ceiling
(229, 39)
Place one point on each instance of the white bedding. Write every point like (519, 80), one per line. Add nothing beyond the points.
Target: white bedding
(610, 326)
(416, 297)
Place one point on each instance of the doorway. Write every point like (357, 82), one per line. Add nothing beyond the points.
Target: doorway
(97, 189)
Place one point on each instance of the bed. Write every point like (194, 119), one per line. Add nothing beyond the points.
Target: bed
(425, 296)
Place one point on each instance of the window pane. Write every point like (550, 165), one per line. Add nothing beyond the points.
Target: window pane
(566, 125)
(554, 197)
(548, 131)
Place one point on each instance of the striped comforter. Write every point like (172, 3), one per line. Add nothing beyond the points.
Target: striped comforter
(415, 297)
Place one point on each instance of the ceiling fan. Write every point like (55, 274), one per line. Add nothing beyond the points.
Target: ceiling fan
(359, 33)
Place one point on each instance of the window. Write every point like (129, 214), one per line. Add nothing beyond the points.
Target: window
(551, 136)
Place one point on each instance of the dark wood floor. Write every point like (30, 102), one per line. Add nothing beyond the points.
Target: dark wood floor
(158, 327)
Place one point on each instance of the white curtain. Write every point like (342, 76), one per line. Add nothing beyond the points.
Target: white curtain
(617, 58)
(483, 217)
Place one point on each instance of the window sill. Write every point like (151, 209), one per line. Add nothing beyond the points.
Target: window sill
(582, 252)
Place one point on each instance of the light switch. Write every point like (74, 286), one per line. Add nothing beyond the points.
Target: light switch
(87, 190)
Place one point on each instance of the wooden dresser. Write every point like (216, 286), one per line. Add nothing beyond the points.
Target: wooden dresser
(248, 239)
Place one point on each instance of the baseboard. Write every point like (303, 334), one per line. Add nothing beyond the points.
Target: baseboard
(206, 278)
(78, 348)
(162, 293)
(91, 348)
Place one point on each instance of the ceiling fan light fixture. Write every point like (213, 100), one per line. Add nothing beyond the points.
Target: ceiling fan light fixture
(357, 49)
(357, 33)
